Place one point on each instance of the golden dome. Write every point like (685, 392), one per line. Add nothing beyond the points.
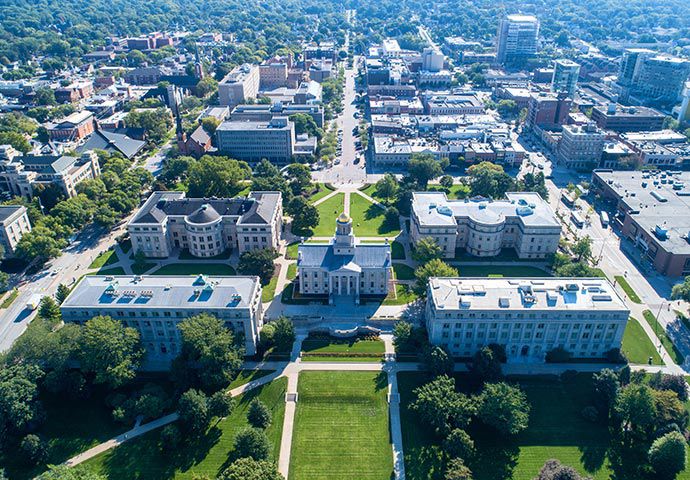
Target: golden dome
(344, 218)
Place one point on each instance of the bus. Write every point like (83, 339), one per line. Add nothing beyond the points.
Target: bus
(577, 219)
(604, 217)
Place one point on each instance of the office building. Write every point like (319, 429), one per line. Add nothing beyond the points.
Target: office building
(654, 78)
(548, 111)
(565, 75)
(73, 127)
(344, 267)
(21, 174)
(206, 227)
(684, 109)
(523, 222)
(432, 60)
(14, 223)
(652, 210)
(156, 305)
(527, 316)
(241, 84)
(254, 141)
(581, 146)
(517, 38)
(621, 119)
(265, 113)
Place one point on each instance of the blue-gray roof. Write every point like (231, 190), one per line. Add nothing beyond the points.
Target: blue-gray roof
(315, 255)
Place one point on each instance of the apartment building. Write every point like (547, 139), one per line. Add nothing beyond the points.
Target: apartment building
(240, 84)
(20, 174)
(14, 223)
(254, 141)
(547, 111)
(529, 317)
(619, 118)
(652, 77)
(155, 306)
(206, 227)
(523, 222)
(565, 75)
(517, 38)
(581, 146)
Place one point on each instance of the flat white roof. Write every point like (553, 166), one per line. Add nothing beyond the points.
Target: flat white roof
(524, 294)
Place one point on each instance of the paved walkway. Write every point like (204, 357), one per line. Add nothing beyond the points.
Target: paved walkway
(394, 408)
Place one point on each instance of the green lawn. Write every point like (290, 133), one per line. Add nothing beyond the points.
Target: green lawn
(104, 259)
(110, 271)
(627, 289)
(71, 427)
(142, 459)
(328, 212)
(320, 193)
(269, 291)
(403, 295)
(195, 269)
(246, 376)
(291, 251)
(663, 336)
(556, 430)
(403, 272)
(637, 346)
(185, 255)
(291, 271)
(143, 268)
(456, 191)
(501, 271)
(341, 349)
(9, 298)
(341, 429)
(397, 251)
(369, 220)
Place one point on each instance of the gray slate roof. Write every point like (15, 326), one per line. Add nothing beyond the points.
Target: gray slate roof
(110, 141)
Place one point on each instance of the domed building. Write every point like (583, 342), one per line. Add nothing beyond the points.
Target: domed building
(344, 267)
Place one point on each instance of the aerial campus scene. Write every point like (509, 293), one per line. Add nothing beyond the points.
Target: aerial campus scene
(344, 240)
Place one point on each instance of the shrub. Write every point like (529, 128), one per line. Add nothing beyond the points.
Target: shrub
(259, 416)
(558, 355)
(252, 443)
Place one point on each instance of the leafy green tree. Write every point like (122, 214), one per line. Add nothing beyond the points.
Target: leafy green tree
(49, 310)
(258, 262)
(45, 96)
(284, 334)
(216, 177)
(636, 409)
(486, 365)
(531, 182)
(171, 438)
(210, 124)
(504, 407)
(305, 124)
(157, 123)
(19, 403)
(675, 383)
(489, 180)
(194, 412)
(209, 355)
(438, 361)
(387, 187)
(220, 404)
(206, 86)
(252, 443)
(33, 449)
(606, 386)
(16, 139)
(446, 182)
(258, 415)
(299, 178)
(667, 455)
(433, 268)
(507, 108)
(441, 407)
(458, 444)
(669, 411)
(250, 469)
(402, 335)
(304, 215)
(423, 167)
(681, 291)
(63, 472)
(426, 250)
(457, 470)
(582, 248)
(554, 470)
(110, 351)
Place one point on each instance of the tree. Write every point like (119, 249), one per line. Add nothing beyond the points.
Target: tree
(667, 455)
(636, 408)
(20, 407)
(252, 443)
(250, 469)
(457, 470)
(258, 262)
(63, 472)
(582, 248)
(44, 96)
(669, 411)
(209, 356)
(299, 178)
(534, 183)
(427, 249)
(504, 407)
(392, 218)
(220, 404)
(210, 124)
(458, 444)
(156, 122)
(194, 412)
(681, 291)
(216, 177)
(39, 244)
(606, 386)
(423, 167)
(33, 449)
(507, 108)
(433, 268)
(206, 86)
(304, 215)
(446, 182)
(402, 334)
(304, 123)
(61, 294)
(489, 180)
(16, 139)
(554, 470)
(284, 334)
(486, 365)
(170, 438)
(387, 187)
(675, 383)
(440, 406)
(438, 361)
(110, 351)
(49, 310)
(258, 415)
